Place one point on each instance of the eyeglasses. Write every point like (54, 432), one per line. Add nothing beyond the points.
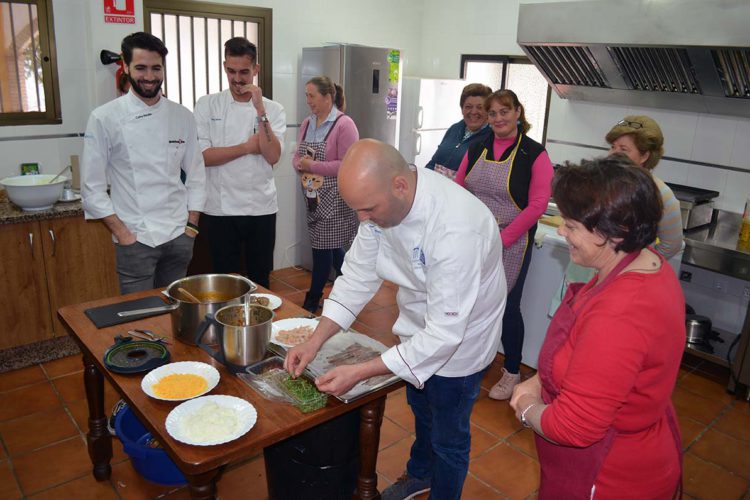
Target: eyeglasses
(630, 124)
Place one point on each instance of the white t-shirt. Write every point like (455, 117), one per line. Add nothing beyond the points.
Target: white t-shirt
(446, 258)
(140, 150)
(245, 185)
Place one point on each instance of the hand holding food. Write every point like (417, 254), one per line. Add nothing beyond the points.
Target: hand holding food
(339, 380)
(299, 357)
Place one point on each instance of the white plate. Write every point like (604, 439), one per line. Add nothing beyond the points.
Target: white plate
(274, 301)
(288, 324)
(246, 416)
(205, 370)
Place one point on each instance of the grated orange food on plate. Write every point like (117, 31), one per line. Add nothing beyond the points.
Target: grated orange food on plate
(180, 386)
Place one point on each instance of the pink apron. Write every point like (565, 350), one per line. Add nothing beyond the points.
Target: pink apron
(570, 472)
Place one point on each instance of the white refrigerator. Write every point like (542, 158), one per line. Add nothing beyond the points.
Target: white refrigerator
(428, 108)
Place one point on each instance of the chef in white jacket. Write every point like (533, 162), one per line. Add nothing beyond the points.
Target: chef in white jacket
(145, 147)
(441, 246)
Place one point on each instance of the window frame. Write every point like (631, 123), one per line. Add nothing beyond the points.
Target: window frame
(262, 16)
(506, 61)
(50, 80)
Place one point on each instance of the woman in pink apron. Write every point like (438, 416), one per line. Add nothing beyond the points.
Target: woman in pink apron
(600, 403)
(323, 140)
(512, 175)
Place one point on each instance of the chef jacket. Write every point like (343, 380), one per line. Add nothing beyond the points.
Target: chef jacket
(446, 258)
(245, 185)
(140, 150)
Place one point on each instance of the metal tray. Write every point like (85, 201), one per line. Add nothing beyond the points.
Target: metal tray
(691, 194)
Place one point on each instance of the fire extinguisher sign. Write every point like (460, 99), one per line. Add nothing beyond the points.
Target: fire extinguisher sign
(119, 11)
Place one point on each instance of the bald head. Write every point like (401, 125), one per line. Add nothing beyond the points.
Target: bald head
(375, 180)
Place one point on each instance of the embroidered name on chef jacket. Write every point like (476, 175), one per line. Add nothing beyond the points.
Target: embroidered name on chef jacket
(176, 141)
(138, 117)
(417, 256)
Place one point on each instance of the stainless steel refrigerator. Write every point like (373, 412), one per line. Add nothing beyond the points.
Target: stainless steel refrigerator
(428, 108)
(370, 77)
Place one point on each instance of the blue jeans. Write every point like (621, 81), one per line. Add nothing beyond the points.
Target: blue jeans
(442, 409)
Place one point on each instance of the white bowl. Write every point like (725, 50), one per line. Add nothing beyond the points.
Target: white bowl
(34, 192)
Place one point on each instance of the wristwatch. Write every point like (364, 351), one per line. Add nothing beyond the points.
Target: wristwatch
(263, 118)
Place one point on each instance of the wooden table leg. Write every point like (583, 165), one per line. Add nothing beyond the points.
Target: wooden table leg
(99, 439)
(203, 486)
(371, 416)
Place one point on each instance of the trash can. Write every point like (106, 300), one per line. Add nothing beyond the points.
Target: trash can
(320, 463)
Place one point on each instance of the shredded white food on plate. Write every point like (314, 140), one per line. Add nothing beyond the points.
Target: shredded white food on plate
(210, 423)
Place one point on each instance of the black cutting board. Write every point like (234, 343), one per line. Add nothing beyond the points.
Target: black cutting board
(105, 316)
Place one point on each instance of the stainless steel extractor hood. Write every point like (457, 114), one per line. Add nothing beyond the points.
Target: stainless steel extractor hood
(688, 55)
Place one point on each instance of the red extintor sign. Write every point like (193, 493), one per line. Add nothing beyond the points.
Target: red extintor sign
(119, 11)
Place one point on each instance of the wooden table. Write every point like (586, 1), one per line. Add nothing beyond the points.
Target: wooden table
(202, 465)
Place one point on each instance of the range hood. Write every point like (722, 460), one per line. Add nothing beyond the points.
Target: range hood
(687, 55)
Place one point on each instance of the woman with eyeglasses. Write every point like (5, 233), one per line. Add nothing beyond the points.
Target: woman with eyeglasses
(512, 174)
(471, 129)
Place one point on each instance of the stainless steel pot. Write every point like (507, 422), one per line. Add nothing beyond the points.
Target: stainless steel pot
(698, 328)
(244, 334)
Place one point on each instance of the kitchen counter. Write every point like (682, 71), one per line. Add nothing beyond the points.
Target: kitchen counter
(11, 214)
(715, 247)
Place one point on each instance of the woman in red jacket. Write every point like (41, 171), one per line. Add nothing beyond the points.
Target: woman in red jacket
(600, 403)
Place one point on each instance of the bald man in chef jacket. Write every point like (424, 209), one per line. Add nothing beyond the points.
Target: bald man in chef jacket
(142, 144)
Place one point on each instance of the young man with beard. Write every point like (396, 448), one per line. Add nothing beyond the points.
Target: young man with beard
(141, 144)
(240, 133)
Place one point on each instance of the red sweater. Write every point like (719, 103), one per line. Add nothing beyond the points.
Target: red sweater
(619, 368)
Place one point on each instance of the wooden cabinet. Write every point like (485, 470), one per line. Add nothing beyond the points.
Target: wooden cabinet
(48, 264)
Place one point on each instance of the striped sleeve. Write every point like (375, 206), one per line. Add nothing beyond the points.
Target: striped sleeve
(669, 232)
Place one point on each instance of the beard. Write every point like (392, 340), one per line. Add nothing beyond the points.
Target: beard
(147, 94)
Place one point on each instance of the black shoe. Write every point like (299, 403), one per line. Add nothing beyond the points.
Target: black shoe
(312, 302)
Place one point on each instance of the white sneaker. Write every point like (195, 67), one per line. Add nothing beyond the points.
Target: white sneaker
(503, 389)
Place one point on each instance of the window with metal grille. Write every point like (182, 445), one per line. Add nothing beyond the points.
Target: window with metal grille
(518, 75)
(29, 89)
(194, 33)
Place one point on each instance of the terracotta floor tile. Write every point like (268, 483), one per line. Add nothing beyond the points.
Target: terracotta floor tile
(80, 412)
(390, 433)
(288, 271)
(53, 465)
(493, 373)
(70, 387)
(698, 383)
(399, 411)
(385, 296)
(524, 441)
(362, 328)
(238, 481)
(37, 430)
(474, 489)
(281, 288)
(63, 366)
(23, 376)
(496, 417)
(8, 485)
(736, 422)
(83, 488)
(382, 319)
(481, 441)
(726, 451)
(371, 307)
(27, 400)
(689, 429)
(131, 485)
(700, 408)
(297, 298)
(392, 460)
(508, 471)
(300, 281)
(707, 481)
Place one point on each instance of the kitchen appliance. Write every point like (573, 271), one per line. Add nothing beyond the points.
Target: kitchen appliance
(372, 86)
(428, 108)
(696, 205)
(697, 328)
(688, 55)
(244, 335)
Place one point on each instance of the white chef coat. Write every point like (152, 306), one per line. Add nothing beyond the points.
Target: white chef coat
(140, 150)
(446, 258)
(245, 185)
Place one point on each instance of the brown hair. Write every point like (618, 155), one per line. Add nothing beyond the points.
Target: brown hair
(326, 87)
(508, 98)
(474, 90)
(239, 46)
(647, 138)
(610, 197)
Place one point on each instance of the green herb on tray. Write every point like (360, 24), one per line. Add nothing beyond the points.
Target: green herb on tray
(307, 396)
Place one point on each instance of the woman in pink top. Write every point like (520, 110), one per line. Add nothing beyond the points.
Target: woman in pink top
(324, 138)
(512, 175)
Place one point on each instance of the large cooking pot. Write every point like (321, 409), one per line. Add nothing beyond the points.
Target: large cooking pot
(698, 328)
(214, 291)
(244, 334)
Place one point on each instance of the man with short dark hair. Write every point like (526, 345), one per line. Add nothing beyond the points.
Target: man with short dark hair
(241, 133)
(141, 144)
